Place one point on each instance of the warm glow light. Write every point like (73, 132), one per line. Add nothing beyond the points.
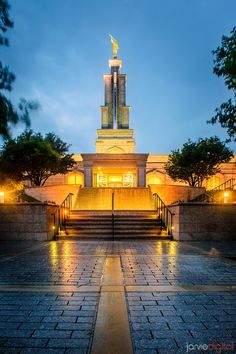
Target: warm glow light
(2, 194)
(53, 227)
(172, 249)
(54, 254)
(115, 178)
(226, 197)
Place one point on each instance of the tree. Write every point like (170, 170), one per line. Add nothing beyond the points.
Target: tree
(197, 161)
(35, 158)
(9, 115)
(225, 66)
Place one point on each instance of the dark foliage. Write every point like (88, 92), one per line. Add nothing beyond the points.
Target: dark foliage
(197, 161)
(35, 158)
(9, 115)
(225, 66)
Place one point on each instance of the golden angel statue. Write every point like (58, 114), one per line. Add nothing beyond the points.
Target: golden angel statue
(115, 46)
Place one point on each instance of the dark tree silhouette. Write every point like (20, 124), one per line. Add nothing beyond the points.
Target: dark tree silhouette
(197, 161)
(9, 115)
(34, 158)
(225, 66)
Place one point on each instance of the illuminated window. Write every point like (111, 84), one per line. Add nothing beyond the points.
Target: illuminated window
(75, 179)
(101, 180)
(128, 180)
(115, 178)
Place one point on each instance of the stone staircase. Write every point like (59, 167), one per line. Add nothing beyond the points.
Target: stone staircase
(95, 224)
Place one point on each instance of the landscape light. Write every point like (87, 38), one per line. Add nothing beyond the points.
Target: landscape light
(226, 197)
(2, 195)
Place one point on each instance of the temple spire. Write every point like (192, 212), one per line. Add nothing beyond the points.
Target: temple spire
(115, 113)
(115, 135)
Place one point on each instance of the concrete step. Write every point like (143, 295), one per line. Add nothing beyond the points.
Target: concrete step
(127, 224)
(109, 222)
(110, 237)
(116, 232)
(88, 222)
(87, 232)
(117, 213)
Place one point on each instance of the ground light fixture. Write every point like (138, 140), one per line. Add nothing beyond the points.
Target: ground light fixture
(2, 196)
(226, 197)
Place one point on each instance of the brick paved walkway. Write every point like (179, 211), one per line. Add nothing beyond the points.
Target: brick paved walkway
(179, 295)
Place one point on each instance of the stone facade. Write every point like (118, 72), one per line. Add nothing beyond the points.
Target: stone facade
(115, 141)
(203, 221)
(154, 172)
(23, 221)
(118, 164)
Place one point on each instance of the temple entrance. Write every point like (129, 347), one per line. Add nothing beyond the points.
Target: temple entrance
(118, 170)
(114, 177)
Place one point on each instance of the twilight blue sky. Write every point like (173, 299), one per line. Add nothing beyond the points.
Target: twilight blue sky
(59, 51)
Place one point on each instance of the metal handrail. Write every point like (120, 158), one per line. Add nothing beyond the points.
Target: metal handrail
(164, 213)
(226, 185)
(113, 214)
(209, 194)
(62, 214)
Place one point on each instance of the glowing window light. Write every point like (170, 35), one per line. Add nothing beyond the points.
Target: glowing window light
(115, 178)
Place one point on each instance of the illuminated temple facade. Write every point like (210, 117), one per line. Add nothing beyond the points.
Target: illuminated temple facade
(115, 163)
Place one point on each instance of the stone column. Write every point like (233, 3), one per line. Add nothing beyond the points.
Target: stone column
(88, 177)
(141, 176)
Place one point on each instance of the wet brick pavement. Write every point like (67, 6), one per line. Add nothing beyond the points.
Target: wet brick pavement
(63, 321)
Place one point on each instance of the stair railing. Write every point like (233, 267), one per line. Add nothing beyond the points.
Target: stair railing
(209, 194)
(62, 214)
(163, 213)
(113, 214)
(226, 185)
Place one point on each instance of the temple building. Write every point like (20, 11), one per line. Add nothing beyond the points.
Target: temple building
(115, 163)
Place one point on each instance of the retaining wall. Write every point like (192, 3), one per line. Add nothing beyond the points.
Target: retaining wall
(172, 193)
(55, 194)
(24, 221)
(204, 221)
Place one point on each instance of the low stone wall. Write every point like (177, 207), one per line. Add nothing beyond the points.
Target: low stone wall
(172, 193)
(204, 221)
(24, 221)
(55, 194)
